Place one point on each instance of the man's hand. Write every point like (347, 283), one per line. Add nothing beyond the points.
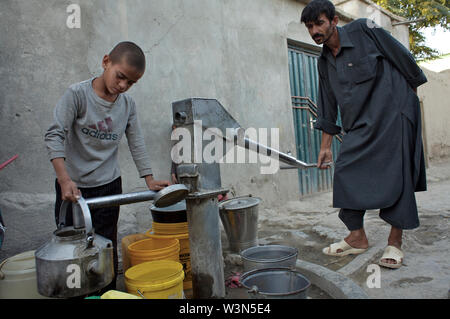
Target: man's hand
(155, 185)
(69, 190)
(325, 154)
(174, 179)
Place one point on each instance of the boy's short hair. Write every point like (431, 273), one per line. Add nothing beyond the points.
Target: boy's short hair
(315, 8)
(133, 54)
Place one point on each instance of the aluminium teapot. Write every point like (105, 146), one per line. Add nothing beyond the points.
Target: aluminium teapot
(75, 261)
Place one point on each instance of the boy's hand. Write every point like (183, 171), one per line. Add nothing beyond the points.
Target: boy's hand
(174, 179)
(69, 190)
(155, 185)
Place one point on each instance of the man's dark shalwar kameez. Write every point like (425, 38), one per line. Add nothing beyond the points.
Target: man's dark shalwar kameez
(381, 163)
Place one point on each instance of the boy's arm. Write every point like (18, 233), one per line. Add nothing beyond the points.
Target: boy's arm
(63, 116)
(136, 144)
(139, 152)
(69, 190)
(173, 173)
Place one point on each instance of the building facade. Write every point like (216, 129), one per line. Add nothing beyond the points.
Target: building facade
(246, 54)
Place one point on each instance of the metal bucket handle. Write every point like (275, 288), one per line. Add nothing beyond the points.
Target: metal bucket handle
(80, 211)
(253, 290)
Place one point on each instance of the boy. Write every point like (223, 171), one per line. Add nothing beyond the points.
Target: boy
(83, 140)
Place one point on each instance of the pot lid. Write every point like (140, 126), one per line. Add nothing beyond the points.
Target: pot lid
(239, 203)
(170, 195)
(177, 207)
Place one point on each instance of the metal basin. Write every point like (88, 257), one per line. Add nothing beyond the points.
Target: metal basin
(270, 256)
(275, 283)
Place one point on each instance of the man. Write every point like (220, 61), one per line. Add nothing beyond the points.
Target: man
(373, 79)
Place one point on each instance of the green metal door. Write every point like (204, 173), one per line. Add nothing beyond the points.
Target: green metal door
(304, 82)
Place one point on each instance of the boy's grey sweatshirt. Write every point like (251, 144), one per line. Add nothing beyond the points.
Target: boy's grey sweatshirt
(86, 131)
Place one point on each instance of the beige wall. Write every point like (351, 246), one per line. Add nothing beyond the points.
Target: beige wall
(436, 113)
(234, 51)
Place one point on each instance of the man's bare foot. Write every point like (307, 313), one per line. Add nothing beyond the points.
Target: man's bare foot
(356, 239)
(395, 239)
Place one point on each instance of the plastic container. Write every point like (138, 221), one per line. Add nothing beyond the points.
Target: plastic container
(170, 228)
(161, 279)
(150, 249)
(114, 294)
(18, 277)
(185, 254)
(127, 241)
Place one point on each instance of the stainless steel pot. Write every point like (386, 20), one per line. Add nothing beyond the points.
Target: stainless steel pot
(270, 256)
(240, 220)
(275, 283)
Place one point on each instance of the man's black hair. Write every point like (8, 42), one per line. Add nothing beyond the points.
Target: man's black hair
(315, 8)
(134, 56)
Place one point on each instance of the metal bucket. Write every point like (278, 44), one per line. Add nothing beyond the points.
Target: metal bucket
(270, 256)
(240, 220)
(175, 213)
(275, 283)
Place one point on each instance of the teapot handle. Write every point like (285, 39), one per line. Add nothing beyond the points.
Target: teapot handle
(76, 207)
(62, 214)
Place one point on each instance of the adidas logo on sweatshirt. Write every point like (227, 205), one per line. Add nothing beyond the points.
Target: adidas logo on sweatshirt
(102, 130)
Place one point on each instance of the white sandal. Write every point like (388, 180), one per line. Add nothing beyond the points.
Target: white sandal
(346, 249)
(391, 252)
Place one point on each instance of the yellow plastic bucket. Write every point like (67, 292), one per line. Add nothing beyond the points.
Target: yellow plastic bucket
(170, 228)
(160, 279)
(115, 294)
(127, 241)
(150, 249)
(185, 254)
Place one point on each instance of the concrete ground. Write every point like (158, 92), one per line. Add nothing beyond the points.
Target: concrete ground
(308, 224)
(311, 224)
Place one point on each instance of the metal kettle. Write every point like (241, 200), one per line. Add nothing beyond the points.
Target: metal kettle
(76, 261)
